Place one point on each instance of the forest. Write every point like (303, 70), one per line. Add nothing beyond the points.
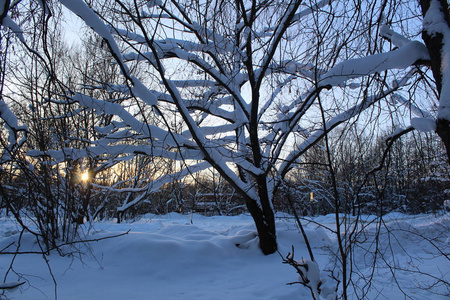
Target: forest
(113, 111)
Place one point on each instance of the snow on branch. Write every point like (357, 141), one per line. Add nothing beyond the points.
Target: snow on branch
(424, 124)
(186, 50)
(209, 103)
(11, 285)
(154, 185)
(395, 38)
(115, 150)
(128, 35)
(238, 159)
(298, 69)
(175, 49)
(313, 8)
(396, 98)
(336, 120)
(148, 130)
(211, 155)
(13, 127)
(268, 31)
(207, 37)
(230, 83)
(8, 22)
(287, 121)
(194, 83)
(280, 30)
(400, 58)
(309, 276)
(274, 95)
(153, 3)
(213, 130)
(213, 109)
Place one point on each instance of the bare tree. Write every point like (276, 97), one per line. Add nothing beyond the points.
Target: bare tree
(254, 85)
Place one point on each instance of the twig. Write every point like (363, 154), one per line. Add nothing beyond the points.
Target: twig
(289, 259)
(299, 223)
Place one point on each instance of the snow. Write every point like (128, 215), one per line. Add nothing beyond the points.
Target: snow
(416, 110)
(152, 3)
(311, 272)
(8, 22)
(8, 116)
(101, 106)
(400, 58)
(314, 8)
(195, 257)
(12, 125)
(395, 38)
(423, 124)
(142, 92)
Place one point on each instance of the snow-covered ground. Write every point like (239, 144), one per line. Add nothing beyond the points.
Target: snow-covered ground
(195, 257)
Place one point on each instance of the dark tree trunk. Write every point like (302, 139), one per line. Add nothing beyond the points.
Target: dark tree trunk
(434, 43)
(443, 130)
(265, 225)
(264, 218)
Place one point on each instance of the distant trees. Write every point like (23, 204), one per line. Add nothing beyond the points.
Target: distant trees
(412, 179)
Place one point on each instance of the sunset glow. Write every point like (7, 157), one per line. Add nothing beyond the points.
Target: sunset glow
(84, 176)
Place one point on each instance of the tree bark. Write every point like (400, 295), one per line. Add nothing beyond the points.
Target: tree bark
(434, 43)
(265, 226)
(264, 217)
(443, 130)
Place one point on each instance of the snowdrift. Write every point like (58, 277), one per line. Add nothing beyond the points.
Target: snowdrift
(196, 257)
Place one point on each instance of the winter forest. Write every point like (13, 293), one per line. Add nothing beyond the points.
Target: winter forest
(213, 149)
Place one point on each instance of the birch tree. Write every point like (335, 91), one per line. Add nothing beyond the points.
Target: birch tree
(255, 84)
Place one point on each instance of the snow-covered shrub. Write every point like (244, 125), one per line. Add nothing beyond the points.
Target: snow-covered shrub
(309, 275)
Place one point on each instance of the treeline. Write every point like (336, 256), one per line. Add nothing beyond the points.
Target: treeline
(411, 177)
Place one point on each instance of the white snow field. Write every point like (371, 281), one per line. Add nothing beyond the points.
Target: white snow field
(170, 257)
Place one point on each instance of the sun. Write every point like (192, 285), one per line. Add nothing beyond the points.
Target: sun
(84, 176)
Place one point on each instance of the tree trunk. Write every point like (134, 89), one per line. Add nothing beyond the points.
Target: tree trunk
(264, 217)
(443, 130)
(434, 43)
(265, 225)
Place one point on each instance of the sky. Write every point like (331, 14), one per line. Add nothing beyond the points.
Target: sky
(72, 26)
